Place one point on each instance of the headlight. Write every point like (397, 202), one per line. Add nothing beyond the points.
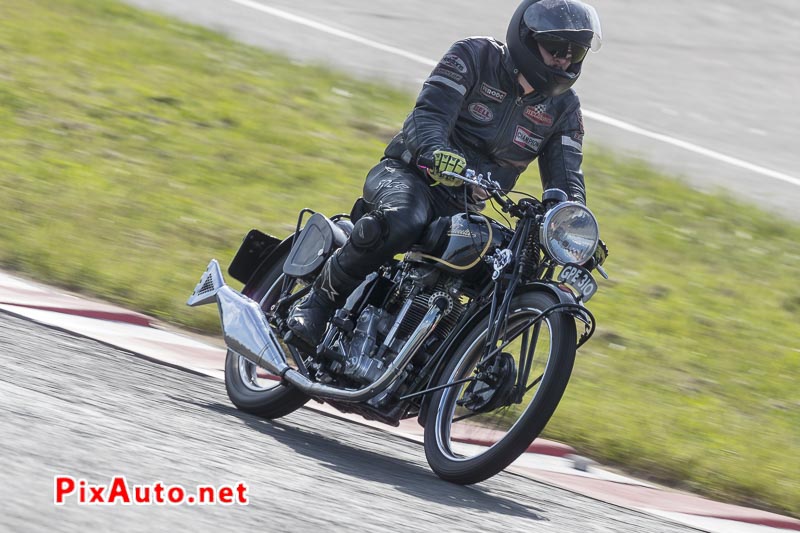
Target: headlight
(570, 233)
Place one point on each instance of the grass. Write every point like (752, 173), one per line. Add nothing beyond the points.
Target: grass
(134, 148)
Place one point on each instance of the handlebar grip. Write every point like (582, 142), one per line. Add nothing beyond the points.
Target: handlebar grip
(505, 204)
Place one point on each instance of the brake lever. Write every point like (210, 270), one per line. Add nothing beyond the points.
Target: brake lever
(486, 183)
(479, 181)
(469, 178)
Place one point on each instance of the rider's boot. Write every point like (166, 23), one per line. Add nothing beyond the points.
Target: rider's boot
(309, 319)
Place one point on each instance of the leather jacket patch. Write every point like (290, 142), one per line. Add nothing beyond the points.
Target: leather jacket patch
(536, 114)
(481, 112)
(454, 62)
(525, 138)
(493, 94)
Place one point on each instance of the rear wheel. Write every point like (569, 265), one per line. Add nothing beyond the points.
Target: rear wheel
(476, 429)
(253, 389)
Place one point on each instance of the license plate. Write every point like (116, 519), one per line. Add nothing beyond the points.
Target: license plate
(579, 279)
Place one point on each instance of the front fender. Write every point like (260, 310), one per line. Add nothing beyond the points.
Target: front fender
(565, 296)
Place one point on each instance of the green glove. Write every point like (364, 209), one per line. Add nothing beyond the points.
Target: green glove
(447, 161)
(599, 257)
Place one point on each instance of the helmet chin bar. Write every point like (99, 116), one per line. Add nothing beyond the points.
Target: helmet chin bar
(546, 80)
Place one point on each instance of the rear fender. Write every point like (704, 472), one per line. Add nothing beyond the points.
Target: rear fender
(256, 254)
(276, 257)
(255, 247)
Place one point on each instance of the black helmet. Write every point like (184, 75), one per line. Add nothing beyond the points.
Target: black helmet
(560, 26)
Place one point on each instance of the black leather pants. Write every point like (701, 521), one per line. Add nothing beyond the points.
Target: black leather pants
(406, 203)
(400, 205)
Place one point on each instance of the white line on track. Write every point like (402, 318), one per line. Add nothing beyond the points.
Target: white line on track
(692, 147)
(590, 114)
(333, 31)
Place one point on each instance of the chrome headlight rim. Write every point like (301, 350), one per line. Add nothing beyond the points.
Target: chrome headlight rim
(548, 219)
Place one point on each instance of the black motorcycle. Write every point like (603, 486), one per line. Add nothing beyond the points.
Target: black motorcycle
(471, 332)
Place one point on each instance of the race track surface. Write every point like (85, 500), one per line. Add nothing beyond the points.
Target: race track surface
(73, 406)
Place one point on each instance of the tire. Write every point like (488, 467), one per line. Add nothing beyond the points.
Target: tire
(505, 431)
(253, 389)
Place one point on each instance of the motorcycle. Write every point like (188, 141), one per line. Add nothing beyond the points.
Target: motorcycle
(471, 331)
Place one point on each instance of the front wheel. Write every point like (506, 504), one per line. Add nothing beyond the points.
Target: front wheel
(253, 389)
(476, 429)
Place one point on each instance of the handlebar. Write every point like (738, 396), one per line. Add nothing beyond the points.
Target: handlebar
(470, 177)
(525, 207)
(491, 186)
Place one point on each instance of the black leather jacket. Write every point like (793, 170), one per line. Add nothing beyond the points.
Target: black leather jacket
(473, 102)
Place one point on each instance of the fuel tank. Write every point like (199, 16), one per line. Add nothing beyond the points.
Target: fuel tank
(458, 244)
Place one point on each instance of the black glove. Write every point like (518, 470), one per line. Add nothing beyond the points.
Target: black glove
(599, 257)
(447, 160)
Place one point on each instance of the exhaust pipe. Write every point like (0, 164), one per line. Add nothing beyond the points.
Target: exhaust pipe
(244, 325)
(248, 334)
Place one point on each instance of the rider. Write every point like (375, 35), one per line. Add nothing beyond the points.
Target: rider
(488, 106)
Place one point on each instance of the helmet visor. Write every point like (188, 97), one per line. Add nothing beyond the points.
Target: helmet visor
(571, 20)
(559, 47)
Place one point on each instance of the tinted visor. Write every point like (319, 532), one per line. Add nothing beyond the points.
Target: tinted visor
(559, 47)
(570, 19)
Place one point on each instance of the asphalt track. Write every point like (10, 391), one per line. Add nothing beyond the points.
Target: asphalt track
(72, 406)
(704, 90)
(42, 361)
(61, 362)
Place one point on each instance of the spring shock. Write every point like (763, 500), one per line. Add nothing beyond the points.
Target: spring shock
(529, 262)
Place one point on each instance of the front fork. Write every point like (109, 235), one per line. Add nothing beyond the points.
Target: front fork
(505, 285)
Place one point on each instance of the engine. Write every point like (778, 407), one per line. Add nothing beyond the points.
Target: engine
(361, 363)
(383, 327)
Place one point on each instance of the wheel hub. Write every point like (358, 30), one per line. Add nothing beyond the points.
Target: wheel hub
(494, 387)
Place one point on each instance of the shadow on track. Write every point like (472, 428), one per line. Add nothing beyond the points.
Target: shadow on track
(405, 476)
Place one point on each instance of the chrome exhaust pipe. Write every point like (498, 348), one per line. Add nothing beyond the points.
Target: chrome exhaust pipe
(247, 333)
(244, 326)
(425, 328)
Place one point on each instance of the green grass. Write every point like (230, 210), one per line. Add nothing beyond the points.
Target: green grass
(134, 148)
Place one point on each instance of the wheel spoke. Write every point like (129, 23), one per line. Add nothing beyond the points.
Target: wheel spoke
(526, 360)
(535, 382)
